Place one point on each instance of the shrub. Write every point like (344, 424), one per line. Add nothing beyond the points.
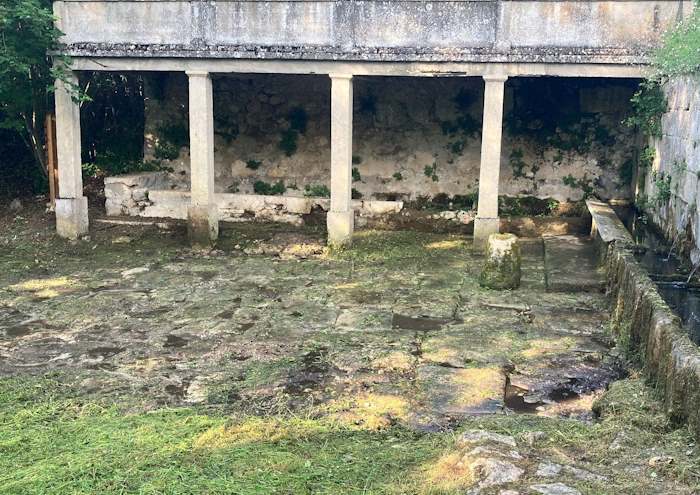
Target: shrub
(262, 187)
(288, 142)
(648, 104)
(253, 164)
(317, 190)
(680, 50)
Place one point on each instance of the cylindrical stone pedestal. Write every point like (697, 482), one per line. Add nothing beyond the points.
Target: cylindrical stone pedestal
(502, 267)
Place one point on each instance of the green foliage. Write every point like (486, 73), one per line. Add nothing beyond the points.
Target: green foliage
(298, 119)
(465, 201)
(646, 160)
(356, 159)
(519, 206)
(27, 34)
(356, 177)
(355, 194)
(288, 142)
(317, 191)
(171, 138)
(165, 150)
(109, 164)
(177, 134)
(551, 116)
(464, 124)
(648, 104)
(253, 164)
(457, 147)
(262, 187)
(397, 176)
(662, 189)
(584, 183)
(431, 171)
(112, 121)
(224, 124)
(680, 50)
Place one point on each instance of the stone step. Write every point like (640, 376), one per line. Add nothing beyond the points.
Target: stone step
(571, 264)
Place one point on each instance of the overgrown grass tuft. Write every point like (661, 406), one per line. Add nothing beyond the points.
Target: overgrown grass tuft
(680, 52)
(53, 442)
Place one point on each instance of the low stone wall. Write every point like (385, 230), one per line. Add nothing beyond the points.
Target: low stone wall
(642, 320)
(643, 323)
(152, 194)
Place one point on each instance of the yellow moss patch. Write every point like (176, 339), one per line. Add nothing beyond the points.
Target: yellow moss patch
(449, 473)
(446, 244)
(347, 286)
(250, 431)
(370, 411)
(45, 287)
(476, 385)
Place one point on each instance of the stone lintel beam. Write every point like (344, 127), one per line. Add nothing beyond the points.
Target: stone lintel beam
(487, 221)
(71, 206)
(340, 218)
(202, 213)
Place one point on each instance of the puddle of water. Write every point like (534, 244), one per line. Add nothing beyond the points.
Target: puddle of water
(420, 323)
(667, 272)
(18, 331)
(685, 302)
(175, 341)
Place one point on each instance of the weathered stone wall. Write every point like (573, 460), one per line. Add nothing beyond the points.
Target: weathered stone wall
(413, 137)
(605, 31)
(669, 189)
(644, 325)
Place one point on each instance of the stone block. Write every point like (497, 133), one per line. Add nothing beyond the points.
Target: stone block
(340, 227)
(203, 225)
(502, 267)
(72, 217)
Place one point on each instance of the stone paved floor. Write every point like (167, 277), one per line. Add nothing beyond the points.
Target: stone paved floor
(393, 334)
(399, 323)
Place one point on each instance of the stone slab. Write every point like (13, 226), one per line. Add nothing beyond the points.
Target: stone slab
(571, 264)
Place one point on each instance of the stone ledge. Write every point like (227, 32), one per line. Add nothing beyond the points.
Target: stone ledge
(545, 54)
(642, 318)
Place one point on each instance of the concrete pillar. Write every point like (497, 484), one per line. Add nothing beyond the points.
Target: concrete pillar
(487, 221)
(202, 214)
(71, 205)
(340, 218)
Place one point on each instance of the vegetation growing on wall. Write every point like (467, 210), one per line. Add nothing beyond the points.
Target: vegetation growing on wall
(297, 120)
(648, 105)
(680, 51)
(262, 187)
(253, 164)
(317, 191)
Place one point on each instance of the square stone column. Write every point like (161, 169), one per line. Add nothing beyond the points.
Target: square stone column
(202, 213)
(487, 221)
(340, 218)
(71, 206)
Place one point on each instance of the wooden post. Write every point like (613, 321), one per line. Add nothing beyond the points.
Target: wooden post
(51, 155)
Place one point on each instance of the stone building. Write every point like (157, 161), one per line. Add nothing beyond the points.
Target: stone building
(386, 101)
